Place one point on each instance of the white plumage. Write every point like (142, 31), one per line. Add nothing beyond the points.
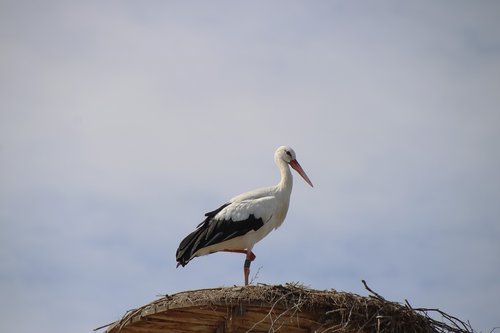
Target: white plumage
(246, 219)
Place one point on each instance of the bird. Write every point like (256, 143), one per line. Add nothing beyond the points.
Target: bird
(244, 220)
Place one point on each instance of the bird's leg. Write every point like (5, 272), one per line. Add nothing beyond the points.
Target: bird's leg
(246, 266)
(235, 251)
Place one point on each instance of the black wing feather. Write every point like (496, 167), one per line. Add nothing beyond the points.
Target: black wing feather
(212, 231)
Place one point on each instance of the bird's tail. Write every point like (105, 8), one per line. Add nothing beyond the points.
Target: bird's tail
(188, 247)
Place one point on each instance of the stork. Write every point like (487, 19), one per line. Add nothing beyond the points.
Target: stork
(247, 218)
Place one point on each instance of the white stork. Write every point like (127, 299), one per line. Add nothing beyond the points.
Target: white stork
(247, 218)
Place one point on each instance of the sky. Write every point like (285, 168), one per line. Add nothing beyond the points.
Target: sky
(123, 122)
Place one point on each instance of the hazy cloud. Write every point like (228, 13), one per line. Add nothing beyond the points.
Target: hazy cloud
(121, 123)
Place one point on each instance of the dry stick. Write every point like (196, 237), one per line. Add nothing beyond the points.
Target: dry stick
(269, 314)
(116, 322)
(453, 321)
(342, 323)
(374, 293)
(255, 276)
(296, 308)
(441, 326)
(103, 326)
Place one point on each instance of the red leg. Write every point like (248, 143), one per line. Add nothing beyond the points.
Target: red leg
(235, 251)
(246, 267)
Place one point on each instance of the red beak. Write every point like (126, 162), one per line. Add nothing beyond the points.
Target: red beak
(296, 166)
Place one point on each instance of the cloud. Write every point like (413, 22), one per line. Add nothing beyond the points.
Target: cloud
(123, 124)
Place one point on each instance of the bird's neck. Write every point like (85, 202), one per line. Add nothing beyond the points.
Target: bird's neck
(286, 181)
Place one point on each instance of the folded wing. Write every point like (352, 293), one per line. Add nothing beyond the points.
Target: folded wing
(229, 221)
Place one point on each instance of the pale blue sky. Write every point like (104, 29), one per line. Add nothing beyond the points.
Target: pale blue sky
(122, 123)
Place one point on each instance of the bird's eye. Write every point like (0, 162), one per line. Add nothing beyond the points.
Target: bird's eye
(288, 153)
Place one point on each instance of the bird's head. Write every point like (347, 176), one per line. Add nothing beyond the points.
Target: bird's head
(287, 155)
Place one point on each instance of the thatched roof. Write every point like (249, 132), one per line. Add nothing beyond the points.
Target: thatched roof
(285, 308)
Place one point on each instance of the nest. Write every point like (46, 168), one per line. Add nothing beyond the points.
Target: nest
(285, 308)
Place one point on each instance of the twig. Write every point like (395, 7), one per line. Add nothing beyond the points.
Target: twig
(104, 326)
(270, 313)
(255, 276)
(374, 293)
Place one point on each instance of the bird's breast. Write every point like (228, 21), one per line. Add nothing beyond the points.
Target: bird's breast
(280, 214)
